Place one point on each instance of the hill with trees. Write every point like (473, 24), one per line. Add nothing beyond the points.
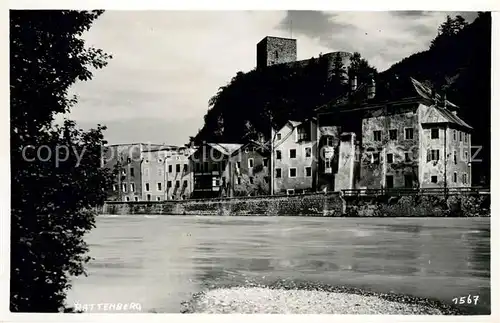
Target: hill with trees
(457, 64)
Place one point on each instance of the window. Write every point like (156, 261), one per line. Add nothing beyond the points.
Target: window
(455, 177)
(158, 198)
(377, 135)
(278, 136)
(466, 156)
(185, 183)
(198, 167)
(177, 184)
(129, 160)
(292, 172)
(393, 134)
(329, 141)
(147, 187)
(408, 181)
(293, 153)
(114, 187)
(302, 134)
(407, 157)
(308, 171)
(455, 157)
(278, 154)
(177, 168)
(205, 166)
(408, 133)
(454, 135)
(158, 186)
(434, 179)
(251, 180)
(308, 152)
(250, 162)
(464, 178)
(136, 198)
(127, 198)
(434, 133)
(124, 188)
(223, 181)
(390, 158)
(246, 150)
(266, 179)
(239, 180)
(389, 181)
(146, 161)
(148, 197)
(278, 172)
(460, 135)
(466, 137)
(328, 164)
(132, 172)
(375, 158)
(238, 165)
(169, 184)
(264, 161)
(433, 154)
(185, 167)
(290, 191)
(132, 187)
(169, 168)
(160, 171)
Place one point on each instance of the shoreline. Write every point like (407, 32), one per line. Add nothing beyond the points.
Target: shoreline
(268, 299)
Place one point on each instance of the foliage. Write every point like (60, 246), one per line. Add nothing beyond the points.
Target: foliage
(52, 199)
(252, 102)
(458, 64)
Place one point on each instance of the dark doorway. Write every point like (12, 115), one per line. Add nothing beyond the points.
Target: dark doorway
(389, 181)
(408, 181)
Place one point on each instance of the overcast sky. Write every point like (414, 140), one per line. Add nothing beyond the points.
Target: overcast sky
(167, 65)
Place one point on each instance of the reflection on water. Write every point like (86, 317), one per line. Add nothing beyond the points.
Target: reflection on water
(160, 261)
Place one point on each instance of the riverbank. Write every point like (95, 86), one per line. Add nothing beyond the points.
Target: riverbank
(308, 298)
(328, 205)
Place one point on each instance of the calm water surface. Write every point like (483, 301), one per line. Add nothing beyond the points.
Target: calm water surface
(160, 261)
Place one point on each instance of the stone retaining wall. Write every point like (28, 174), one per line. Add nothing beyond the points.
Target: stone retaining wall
(302, 205)
(314, 205)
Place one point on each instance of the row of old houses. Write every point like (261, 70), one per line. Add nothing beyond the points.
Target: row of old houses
(397, 135)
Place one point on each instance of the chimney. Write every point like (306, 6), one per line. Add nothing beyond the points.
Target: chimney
(371, 87)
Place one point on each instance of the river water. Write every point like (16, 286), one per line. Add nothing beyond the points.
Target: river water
(160, 261)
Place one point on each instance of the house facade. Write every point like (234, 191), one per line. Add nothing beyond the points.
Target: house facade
(166, 174)
(178, 175)
(209, 164)
(295, 157)
(413, 141)
(251, 164)
(228, 170)
(125, 161)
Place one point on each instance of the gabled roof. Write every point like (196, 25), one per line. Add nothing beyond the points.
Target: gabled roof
(295, 124)
(226, 149)
(254, 144)
(436, 114)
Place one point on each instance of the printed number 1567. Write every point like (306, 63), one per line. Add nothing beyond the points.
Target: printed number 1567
(466, 300)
